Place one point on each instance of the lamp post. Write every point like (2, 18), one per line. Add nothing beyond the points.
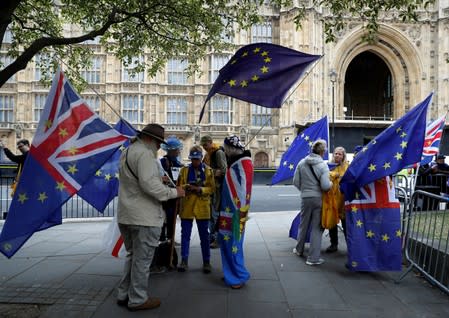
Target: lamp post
(333, 78)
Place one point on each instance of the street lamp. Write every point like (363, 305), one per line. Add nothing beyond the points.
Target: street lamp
(333, 78)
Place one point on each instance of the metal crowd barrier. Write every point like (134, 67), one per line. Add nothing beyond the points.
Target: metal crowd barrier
(75, 207)
(427, 238)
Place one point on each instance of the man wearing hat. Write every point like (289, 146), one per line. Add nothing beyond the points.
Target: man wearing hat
(140, 215)
(172, 165)
(216, 159)
(440, 166)
(198, 181)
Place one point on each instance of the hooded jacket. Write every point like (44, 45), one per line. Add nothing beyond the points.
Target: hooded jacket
(306, 182)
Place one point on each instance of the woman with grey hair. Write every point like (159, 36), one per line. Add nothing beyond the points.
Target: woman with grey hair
(312, 178)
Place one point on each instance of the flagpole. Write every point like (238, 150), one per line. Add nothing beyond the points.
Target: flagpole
(96, 92)
(285, 100)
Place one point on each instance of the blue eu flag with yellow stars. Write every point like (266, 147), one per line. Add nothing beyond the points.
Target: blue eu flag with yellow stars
(261, 73)
(300, 148)
(102, 187)
(398, 146)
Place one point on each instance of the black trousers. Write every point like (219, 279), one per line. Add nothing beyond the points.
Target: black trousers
(333, 233)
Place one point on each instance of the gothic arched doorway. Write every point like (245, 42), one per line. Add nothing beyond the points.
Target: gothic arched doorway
(261, 160)
(368, 88)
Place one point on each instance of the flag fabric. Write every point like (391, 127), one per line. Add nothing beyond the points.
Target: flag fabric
(300, 148)
(373, 227)
(102, 187)
(434, 132)
(294, 228)
(395, 148)
(113, 240)
(70, 144)
(261, 73)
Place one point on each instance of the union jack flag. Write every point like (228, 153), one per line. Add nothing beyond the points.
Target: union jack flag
(374, 228)
(70, 144)
(434, 132)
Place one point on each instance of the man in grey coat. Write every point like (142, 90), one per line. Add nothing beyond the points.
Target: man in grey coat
(312, 178)
(140, 215)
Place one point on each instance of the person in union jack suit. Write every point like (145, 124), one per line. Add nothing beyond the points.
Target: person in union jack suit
(235, 203)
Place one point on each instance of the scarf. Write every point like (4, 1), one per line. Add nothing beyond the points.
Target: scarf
(196, 176)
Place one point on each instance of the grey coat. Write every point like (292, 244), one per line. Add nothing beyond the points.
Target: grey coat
(306, 182)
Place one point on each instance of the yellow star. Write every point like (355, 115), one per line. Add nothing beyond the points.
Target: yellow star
(42, 197)
(63, 132)
(226, 237)
(369, 234)
(404, 134)
(245, 54)
(403, 144)
(354, 209)
(48, 123)
(22, 198)
(386, 165)
(372, 167)
(357, 195)
(398, 156)
(264, 53)
(236, 200)
(73, 150)
(256, 50)
(122, 148)
(244, 83)
(233, 61)
(364, 149)
(224, 223)
(359, 223)
(7, 247)
(310, 143)
(398, 130)
(107, 177)
(72, 169)
(228, 209)
(398, 233)
(264, 69)
(98, 173)
(232, 83)
(285, 163)
(267, 59)
(60, 185)
(255, 78)
(385, 237)
(354, 264)
(291, 166)
(117, 175)
(306, 138)
(234, 249)
(374, 141)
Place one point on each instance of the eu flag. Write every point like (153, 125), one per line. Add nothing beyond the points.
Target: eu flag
(261, 73)
(102, 187)
(396, 147)
(300, 148)
(70, 144)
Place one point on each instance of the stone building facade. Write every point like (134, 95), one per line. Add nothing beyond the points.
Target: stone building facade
(362, 87)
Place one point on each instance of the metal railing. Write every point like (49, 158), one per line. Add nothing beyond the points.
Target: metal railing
(427, 238)
(75, 207)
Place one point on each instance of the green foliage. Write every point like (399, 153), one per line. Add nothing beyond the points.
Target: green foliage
(160, 30)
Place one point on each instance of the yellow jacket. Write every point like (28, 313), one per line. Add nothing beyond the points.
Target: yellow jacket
(335, 176)
(195, 205)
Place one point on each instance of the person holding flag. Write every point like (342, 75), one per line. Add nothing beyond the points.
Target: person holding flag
(140, 215)
(312, 178)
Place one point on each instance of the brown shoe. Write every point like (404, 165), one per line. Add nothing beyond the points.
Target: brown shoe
(151, 303)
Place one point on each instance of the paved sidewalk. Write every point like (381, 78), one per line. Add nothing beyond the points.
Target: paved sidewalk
(65, 272)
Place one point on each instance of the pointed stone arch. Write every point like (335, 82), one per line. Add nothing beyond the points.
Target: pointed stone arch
(398, 53)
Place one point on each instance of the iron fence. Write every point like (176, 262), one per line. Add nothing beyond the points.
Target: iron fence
(427, 237)
(75, 207)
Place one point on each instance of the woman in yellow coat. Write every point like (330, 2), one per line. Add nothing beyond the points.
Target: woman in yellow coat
(339, 158)
(198, 181)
